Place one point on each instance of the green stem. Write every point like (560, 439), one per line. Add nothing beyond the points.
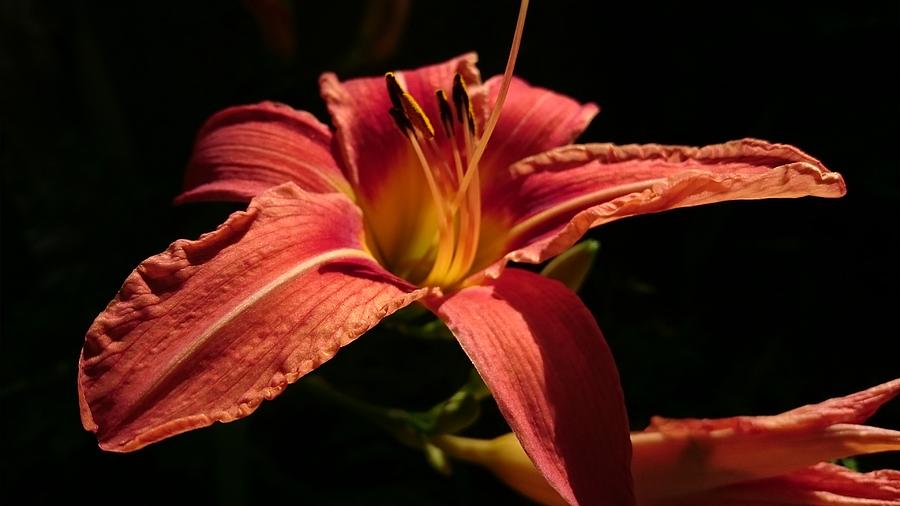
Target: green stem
(399, 423)
(452, 415)
(324, 390)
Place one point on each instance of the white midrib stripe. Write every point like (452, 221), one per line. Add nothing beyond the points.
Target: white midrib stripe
(240, 308)
(583, 200)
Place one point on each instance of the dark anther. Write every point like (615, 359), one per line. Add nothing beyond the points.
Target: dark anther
(401, 120)
(395, 91)
(446, 112)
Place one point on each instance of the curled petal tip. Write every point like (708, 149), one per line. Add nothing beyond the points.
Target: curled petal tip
(207, 330)
(553, 198)
(242, 151)
(678, 457)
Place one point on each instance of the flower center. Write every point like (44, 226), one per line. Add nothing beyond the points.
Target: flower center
(452, 174)
(458, 208)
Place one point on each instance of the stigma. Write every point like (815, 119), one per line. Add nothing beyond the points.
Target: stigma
(449, 158)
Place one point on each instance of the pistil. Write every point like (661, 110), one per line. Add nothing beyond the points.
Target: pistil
(455, 191)
(498, 106)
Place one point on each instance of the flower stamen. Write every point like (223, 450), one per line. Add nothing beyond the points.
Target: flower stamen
(456, 191)
(415, 125)
(414, 113)
(498, 106)
(446, 112)
(449, 131)
(395, 91)
(464, 112)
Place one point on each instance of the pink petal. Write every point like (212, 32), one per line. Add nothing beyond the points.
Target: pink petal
(533, 120)
(543, 357)
(833, 479)
(374, 151)
(208, 329)
(243, 151)
(823, 484)
(850, 409)
(381, 165)
(556, 196)
(677, 457)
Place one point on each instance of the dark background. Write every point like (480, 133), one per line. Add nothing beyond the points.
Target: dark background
(739, 308)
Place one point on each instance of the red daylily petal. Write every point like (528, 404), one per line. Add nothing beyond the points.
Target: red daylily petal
(379, 160)
(850, 409)
(243, 151)
(823, 484)
(555, 197)
(533, 120)
(833, 479)
(208, 329)
(677, 457)
(543, 357)
(373, 149)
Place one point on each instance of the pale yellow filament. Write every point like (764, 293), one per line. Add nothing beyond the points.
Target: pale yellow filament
(456, 240)
(446, 237)
(470, 221)
(471, 170)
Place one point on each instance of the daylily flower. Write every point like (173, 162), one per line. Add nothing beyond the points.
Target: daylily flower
(406, 202)
(772, 460)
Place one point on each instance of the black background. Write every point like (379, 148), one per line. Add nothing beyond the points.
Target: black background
(738, 308)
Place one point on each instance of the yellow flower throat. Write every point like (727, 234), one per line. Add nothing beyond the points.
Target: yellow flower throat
(453, 182)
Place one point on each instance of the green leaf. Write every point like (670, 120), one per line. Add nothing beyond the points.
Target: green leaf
(849, 462)
(572, 267)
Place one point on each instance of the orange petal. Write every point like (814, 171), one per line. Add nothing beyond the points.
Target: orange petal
(555, 197)
(367, 137)
(553, 377)
(208, 329)
(243, 151)
(675, 457)
(820, 485)
(381, 165)
(533, 120)
(720, 462)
